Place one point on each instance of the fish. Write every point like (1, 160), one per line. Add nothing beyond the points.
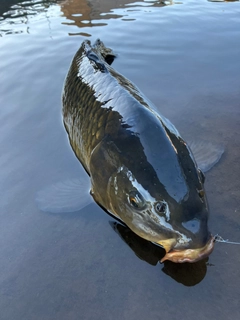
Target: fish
(141, 170)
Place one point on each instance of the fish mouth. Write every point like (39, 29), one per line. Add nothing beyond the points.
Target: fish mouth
(190, 255)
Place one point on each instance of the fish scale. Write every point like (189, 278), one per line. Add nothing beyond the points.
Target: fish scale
(88, 108)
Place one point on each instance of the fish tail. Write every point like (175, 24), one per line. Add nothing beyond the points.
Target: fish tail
(107, 53)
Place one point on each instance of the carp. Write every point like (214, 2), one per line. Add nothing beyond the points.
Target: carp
(140, 168)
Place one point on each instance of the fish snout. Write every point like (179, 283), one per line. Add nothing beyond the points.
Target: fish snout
(190, 255)
(193, 244)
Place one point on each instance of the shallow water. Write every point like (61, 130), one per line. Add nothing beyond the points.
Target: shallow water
(185, 57)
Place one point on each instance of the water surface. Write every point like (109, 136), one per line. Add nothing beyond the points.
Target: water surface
(184, 56)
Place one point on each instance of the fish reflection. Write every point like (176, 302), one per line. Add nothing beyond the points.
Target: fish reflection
(189, 274)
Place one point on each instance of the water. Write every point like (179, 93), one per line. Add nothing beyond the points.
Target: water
(185, 57)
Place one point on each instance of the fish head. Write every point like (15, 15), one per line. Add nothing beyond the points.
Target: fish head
(180, 227)
(157, 192)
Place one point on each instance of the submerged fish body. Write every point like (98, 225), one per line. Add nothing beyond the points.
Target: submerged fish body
(141, 170)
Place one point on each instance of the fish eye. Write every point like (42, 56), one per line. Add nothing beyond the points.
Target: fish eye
(161, 207)
(136, 200)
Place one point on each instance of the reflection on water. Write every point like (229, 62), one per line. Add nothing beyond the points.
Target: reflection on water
(83, 13)
(189, 274)
(15, 14)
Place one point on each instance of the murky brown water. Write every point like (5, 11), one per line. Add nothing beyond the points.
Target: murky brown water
(185, 57)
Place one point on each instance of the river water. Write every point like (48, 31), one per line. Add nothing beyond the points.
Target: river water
(184, 56)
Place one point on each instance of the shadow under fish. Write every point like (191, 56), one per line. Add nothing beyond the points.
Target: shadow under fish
(189, 274)
(141, 170)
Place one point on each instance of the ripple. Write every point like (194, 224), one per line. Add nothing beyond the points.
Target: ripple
(18, 16)
(91, 11)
